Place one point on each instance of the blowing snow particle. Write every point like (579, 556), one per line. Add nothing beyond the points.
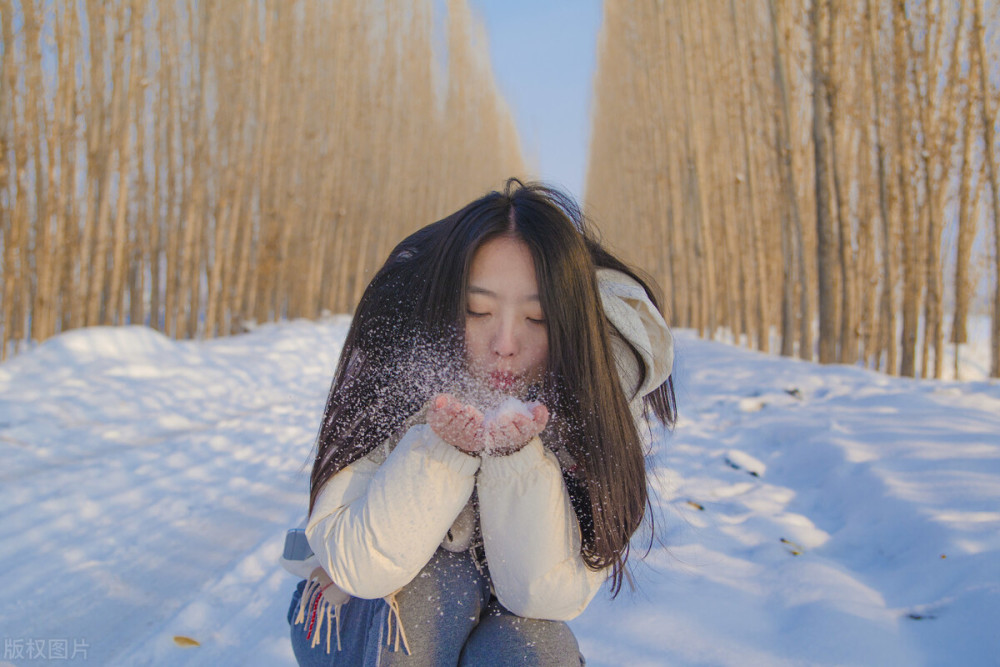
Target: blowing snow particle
(510, 406)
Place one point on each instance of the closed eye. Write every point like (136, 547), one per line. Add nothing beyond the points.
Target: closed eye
(472, 313)
(536, 320)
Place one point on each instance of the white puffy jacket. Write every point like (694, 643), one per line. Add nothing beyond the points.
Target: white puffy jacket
(378, 521)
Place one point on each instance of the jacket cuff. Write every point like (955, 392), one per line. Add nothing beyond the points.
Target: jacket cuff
(529, 457)
(436, 449)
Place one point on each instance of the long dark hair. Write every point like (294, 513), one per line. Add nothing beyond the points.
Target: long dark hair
(413, 312)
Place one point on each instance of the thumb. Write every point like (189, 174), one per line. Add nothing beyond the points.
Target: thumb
(540, 415)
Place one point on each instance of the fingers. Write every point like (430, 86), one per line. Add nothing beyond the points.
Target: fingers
(521, 425)
(524, 425)
(510, 432)
(463, 426)
(458, 424)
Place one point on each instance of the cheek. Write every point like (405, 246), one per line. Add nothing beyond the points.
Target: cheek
(474, 346)
(540, 351)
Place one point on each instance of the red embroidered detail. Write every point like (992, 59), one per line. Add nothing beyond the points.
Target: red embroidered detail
(312, 616)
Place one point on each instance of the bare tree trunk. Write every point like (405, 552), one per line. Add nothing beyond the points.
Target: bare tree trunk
(911, 293)
(119, 261)
(8, 71)
(868, 274)
(246, 292)
(758, 259)
(96, 158)
(99, 306)
(38, 282)
(141, 252)
(848, 336)
(889, 272)
(682, 253)
(825, 239)
(790, 193)
(989, 151)
(194, 210)
(659, 222)
(722, 261)
(174, 178)
(66, 226)
(939, 122)
(704, 255)
(966, 232)
(911, 237)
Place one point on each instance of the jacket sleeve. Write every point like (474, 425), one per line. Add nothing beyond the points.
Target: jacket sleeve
(532, 537)
(374, 527)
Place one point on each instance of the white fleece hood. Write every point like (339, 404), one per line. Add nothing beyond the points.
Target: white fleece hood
(636, 318)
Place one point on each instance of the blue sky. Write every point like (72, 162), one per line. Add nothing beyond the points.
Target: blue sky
(544, 57)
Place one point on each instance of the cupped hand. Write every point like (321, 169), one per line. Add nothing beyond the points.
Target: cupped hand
(510, 432)
(457, 423)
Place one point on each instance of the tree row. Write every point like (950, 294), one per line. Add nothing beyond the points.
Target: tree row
(198, 165)
(821, 171)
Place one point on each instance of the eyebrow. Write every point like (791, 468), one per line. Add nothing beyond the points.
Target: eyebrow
(485, 292)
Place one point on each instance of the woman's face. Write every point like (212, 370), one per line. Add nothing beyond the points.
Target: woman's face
(506, 337)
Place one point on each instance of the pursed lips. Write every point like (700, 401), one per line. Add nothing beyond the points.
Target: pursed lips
(503, 380)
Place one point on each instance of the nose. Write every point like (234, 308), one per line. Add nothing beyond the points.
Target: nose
(504, 342)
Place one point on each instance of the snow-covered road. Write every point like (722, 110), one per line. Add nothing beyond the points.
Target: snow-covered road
(807, 515)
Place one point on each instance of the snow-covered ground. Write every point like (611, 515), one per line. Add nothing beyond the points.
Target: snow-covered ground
(808, 515)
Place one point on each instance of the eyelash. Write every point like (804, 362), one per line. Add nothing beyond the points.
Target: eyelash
(472, 313)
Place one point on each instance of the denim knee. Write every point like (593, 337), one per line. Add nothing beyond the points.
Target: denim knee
(503, 638)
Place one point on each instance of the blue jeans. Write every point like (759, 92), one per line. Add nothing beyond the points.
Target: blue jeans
(449, 618)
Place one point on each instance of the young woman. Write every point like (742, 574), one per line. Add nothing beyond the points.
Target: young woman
(450, 522)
